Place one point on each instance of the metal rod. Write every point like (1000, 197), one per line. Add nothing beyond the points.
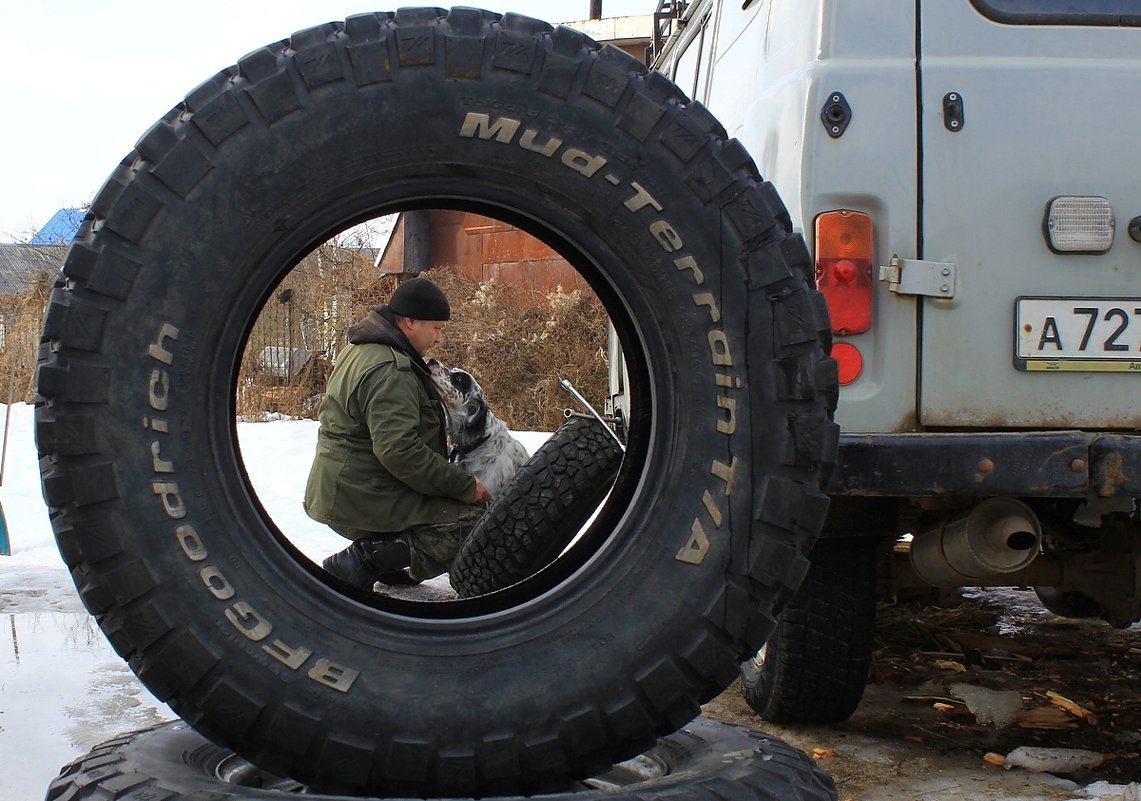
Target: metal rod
(7, 413)
(568, 387)
(568, 413)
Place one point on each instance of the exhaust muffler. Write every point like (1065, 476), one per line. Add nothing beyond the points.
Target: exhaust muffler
(999, 535)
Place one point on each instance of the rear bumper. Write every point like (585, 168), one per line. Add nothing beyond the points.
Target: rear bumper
(1044, 464)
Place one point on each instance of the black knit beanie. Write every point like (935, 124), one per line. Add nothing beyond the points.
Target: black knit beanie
(420, 299)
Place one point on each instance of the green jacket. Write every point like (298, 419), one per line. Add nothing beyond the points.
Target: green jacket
(381, 461)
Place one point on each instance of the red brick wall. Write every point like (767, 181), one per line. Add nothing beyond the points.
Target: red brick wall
(488, 250)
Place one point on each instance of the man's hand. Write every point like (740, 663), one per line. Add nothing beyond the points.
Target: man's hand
(481, 495)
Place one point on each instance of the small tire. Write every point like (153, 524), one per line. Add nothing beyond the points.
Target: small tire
(538, 514)
(1068, 604)
(814, 667)
(707, 760)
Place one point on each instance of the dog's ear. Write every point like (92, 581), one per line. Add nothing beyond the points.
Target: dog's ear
(462, 381)
(475, 415)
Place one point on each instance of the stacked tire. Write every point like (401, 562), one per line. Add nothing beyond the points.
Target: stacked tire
(579, 666)
(706, 761)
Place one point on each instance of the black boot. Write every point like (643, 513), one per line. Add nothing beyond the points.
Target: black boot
(366, 562)
(351, 566)
(389, 558)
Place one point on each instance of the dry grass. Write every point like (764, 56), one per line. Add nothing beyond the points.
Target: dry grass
(310, 310)
(518, 345)
(22, 321)
(519, 348)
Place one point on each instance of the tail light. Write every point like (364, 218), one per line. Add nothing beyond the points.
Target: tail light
(844, 276)
(844, 268)
(849, 361)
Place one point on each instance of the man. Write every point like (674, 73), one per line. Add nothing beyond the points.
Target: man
(380, 476)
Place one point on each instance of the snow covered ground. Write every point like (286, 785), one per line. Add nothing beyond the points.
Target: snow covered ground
(63, 690)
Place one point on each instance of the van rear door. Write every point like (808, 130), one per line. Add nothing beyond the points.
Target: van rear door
(1028, 132)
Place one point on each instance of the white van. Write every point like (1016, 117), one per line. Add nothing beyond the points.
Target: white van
(965, 173)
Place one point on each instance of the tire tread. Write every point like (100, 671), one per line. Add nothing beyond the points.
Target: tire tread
(269, 91)
(540, 510)
(705, 761)
(816, 664)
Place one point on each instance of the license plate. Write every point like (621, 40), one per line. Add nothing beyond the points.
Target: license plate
(1078, 334)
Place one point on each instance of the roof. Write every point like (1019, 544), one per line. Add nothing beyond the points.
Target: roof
(617, 30)
(60, 229)
(20, 264)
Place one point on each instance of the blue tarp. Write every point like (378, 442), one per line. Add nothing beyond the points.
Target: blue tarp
(60, 229)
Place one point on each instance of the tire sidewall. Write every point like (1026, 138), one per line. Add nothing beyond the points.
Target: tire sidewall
(213, 568)
(707, 760)
(210, 267)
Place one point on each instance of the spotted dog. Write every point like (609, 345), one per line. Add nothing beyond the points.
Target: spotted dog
(481, 443)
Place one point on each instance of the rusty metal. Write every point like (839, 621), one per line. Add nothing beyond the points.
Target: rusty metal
(1109, 574)
(1071, 464)
(482, 247)
(569, 388)
(667, 19)
(999, 535)
(1116, 466)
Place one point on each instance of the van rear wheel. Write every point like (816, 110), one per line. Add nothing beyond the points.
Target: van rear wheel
(814, 666)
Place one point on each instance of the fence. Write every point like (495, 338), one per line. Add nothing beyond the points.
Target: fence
(517, 344)
(21, 321)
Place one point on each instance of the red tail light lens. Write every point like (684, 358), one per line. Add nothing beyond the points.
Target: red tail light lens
(849, 362)
(844, 268)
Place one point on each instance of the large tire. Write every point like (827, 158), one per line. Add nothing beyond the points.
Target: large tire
(563, 674)
(814, 667)
(538, 514)
(707, 760)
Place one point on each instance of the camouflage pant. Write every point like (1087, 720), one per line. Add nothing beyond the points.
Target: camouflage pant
(432, 547)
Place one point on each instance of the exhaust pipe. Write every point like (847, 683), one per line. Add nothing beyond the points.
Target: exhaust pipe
(1000, 535)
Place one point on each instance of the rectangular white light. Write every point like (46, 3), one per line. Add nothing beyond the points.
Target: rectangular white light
(1076, 224)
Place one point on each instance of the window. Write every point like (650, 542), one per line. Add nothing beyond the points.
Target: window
(687, 68)
(1108, 13)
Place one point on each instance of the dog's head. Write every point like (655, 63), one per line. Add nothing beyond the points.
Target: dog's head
(463, 400)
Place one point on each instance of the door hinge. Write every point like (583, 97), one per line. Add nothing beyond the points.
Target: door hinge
(917, 277)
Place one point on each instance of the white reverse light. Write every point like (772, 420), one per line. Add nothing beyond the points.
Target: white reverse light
(1077, 224)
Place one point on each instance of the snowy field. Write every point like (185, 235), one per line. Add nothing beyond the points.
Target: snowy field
(63, 690)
